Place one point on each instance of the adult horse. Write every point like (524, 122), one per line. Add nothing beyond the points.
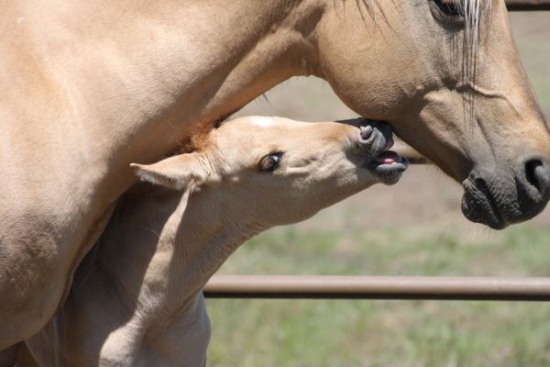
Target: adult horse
(90, 86)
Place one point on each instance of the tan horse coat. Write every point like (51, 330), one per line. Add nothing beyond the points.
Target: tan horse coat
(89, 86)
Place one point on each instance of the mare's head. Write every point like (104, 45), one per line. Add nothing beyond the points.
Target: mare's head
(280, 171)
(447, 76)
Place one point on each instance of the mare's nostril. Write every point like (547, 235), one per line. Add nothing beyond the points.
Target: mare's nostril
(533, 170)
(537, 174)
(533, 186)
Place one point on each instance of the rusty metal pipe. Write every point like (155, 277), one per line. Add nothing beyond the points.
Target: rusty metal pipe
(527, 5)
(379, 287)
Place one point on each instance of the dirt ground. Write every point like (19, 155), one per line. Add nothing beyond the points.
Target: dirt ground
(424, 199)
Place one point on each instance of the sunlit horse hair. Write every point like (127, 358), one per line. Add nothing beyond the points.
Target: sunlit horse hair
(472, 10)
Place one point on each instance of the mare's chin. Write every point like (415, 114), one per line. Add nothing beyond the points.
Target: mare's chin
(479, 206)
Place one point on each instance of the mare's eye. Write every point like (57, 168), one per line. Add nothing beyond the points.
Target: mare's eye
(270, 162)
(452, 8)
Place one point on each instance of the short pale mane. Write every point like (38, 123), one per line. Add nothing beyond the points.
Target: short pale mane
(472, 10)
(472, 14)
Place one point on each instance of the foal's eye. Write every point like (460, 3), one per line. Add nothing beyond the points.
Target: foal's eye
(452, 8)
(270, 162)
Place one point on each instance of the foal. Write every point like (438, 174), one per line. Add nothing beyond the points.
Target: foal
(136, 300)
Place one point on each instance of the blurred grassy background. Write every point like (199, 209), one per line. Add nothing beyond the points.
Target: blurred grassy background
(413, 228)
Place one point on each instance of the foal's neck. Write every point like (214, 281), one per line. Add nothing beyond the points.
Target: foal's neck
(164, 248)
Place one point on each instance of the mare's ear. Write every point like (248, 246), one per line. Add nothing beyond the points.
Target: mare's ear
(180, 172)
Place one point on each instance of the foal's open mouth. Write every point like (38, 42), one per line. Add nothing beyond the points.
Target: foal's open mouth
(388, 165)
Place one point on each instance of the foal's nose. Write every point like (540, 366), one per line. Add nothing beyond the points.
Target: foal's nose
(366, 131)
(370, 127)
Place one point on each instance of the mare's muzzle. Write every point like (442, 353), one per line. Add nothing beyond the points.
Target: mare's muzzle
(499, 197)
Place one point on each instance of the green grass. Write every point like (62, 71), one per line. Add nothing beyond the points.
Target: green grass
(384, 333)
(296, 250)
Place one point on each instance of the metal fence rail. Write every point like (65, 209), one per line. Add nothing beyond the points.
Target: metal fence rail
(379, 287)
(526, 5)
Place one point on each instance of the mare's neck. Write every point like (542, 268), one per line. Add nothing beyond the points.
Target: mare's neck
(160, 70)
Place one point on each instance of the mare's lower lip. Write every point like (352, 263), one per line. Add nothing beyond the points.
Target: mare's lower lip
(479, 207)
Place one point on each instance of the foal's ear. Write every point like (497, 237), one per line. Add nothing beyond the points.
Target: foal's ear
(179, 172)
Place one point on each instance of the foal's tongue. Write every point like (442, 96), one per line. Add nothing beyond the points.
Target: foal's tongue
(387, 157)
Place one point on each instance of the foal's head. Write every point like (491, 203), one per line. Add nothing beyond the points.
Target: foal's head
(272, 171)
